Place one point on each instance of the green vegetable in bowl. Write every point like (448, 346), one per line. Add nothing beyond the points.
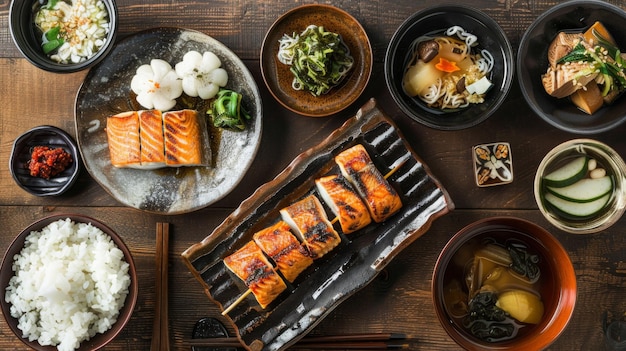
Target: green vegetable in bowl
(52, 40)
(319, 59)
(226, 110)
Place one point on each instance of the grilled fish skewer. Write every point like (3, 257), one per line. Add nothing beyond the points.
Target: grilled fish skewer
(290, 256)
(308, 220)
(381, 198)
(250, 265)
(346, 204)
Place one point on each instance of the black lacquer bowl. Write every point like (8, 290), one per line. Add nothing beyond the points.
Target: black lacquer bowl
(348, 267)
(52, 137)
(437, 19)
(532, 62)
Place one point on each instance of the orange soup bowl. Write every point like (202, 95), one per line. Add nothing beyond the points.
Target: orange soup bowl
(510, 270)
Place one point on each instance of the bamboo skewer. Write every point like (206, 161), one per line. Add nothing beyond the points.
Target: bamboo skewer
(236, 302)
(332, 222)
(160, 330)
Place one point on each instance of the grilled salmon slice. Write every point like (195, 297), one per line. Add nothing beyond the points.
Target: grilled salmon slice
(151, 138)
(123, 139)
(281, 245)
(380, 197)
(308, 220)
(344, 201)
(250, 265)
(183, 138)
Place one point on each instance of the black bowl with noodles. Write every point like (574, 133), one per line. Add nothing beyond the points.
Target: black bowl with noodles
(435, 21)
(532, 63)
(28, 38)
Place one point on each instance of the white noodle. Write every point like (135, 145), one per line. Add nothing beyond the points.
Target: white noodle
(442, 94)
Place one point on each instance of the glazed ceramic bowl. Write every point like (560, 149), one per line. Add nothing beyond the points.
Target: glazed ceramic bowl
(555, 203)
(28, 38)
(278, 77)
(6, 273)
(556, 277)
(532, 62)
(52, 137)
(436, 20)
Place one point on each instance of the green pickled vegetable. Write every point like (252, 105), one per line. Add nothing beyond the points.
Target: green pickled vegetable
(226, 110)
(319, 59)
(52, 40)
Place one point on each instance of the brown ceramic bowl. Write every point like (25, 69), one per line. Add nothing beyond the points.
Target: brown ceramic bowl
(6, 273)
(557, 279)
(278, 77)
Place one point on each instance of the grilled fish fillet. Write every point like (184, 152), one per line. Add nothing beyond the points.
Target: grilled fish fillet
(151, 138)
(123, 139)
(344, 201)
(308, 220)
(251, 266)
(381, 198)
(182, 132)
(281, 246)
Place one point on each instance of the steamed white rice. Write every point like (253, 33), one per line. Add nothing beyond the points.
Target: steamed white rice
(70, 283)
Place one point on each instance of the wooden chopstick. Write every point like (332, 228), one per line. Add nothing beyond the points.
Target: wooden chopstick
(160, 328)
(375, 341)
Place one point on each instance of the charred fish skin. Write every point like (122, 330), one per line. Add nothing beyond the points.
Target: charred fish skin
(252, 267)
(344, 201)
(308, 219)
(290, 256)
(381, 198)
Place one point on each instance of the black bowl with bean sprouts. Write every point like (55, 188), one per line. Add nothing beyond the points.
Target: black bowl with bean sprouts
(63, 36)
(449, 67)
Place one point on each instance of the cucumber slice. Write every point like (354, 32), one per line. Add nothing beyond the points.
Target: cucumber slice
(577, 210)
(584, 190)
(568, 174)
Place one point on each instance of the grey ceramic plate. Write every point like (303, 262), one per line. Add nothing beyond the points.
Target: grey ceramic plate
(348, 267)
(106, 91)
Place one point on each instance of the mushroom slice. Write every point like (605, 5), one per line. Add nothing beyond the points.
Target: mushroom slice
(427, 50)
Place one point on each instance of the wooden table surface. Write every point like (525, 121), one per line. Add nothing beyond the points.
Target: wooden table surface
(399, 300)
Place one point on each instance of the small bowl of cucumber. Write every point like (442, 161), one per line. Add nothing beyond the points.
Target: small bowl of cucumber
(579, 186)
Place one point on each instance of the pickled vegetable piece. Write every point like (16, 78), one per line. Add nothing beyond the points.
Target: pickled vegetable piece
(522, 305)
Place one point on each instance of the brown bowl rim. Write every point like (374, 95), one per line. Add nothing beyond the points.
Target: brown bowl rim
(549, 329)
(125, 314)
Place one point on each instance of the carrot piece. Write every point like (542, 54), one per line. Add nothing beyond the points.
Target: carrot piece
(447, 66)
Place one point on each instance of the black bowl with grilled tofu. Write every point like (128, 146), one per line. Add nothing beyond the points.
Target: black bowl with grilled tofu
(553, 66)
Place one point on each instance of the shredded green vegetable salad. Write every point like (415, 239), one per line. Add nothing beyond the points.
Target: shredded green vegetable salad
(319, 59)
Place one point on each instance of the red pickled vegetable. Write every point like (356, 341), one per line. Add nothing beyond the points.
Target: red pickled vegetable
(48, 162)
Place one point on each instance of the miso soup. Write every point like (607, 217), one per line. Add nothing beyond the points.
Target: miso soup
(496, 285)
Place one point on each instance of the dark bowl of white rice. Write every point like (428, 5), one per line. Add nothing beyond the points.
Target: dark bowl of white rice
(63, 36)
(69, 283)
(427, 88)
